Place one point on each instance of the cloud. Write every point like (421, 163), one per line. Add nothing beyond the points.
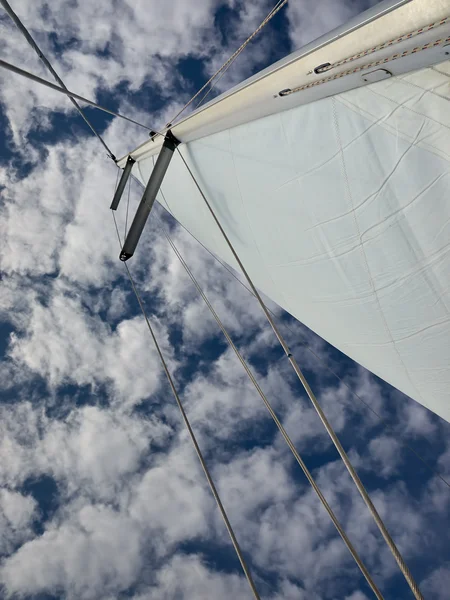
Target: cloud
(63, 344)
(171, 500)
(93, 450)
(187, 577)
(94, 553)
(16, 518)
(86, 404)
(438, 583)
(309, 20)
(357, 596)
(32, 231)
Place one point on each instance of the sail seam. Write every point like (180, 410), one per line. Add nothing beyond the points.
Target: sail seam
(361, 245)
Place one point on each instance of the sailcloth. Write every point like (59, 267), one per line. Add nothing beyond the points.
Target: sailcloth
(338, 200)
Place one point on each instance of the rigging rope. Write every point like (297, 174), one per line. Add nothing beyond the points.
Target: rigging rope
(64, 90)
(203, 98)
(277, 422)
(212, 487)
(46, 62)
(383, 421)
(375, 63)
(402, 38)
(279, 5)
(358, 483)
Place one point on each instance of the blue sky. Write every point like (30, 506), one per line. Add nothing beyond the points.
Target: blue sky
(101, 494)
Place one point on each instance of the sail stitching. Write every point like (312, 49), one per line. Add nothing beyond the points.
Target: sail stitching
(361, 244)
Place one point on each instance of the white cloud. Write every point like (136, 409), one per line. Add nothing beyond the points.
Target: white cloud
(95, 553)
(309, 20)
(92, 451)
(19, 437)
(437, 584)
(417, 420)
(95, 451)
(64, 344)
(16, 518)
(357, 596)
(187, 577)
(171, 500)
(385, 454)
(34, 214)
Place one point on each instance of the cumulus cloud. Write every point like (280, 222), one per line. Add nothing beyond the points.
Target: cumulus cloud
(309, 19)
(64, 344)
(438, 583)
(93, 553)
(188, 577)
(16, 518)
(92, 449)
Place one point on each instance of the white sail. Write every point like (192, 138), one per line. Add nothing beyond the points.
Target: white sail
(336, 201)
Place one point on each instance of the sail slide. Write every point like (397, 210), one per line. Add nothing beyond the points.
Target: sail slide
(336, 193)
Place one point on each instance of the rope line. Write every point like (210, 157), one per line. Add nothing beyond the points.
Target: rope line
(277, 422)
(66, 92)
(211, 484)
(358, 483)
(279, 5)
(398, 40)
(382, 61)
(47, 64)
(268, 17)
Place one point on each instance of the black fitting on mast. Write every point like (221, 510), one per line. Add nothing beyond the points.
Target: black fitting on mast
(322, 68)
(148, 199)
(122, 183)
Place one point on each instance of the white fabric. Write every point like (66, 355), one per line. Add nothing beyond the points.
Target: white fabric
(340, 211)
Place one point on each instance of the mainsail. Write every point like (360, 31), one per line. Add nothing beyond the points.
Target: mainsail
(335, 192)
